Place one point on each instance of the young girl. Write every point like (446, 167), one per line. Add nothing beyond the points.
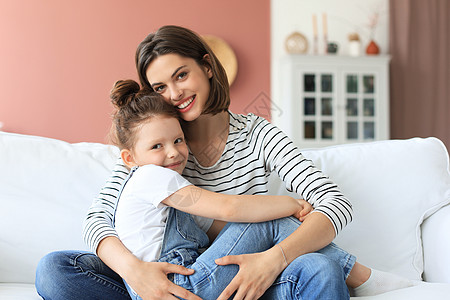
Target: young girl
(152, 145)
(229, 153)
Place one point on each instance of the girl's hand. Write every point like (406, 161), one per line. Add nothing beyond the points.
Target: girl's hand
(256, 273)
(305, 209)
(151, 283)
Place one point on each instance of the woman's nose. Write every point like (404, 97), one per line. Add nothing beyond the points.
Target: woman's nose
(176, 94)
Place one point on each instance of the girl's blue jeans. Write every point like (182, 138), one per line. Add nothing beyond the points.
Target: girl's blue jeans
(320, 275)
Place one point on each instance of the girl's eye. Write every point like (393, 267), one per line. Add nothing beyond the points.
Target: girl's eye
(157, 146)
(178, 140)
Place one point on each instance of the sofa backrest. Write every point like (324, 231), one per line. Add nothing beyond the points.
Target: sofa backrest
(393, 186)
(46, 189)
(47, 186)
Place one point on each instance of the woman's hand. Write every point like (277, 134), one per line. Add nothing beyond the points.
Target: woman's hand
(148, 279)
(305, 209)
(256, 273)
(151, 283)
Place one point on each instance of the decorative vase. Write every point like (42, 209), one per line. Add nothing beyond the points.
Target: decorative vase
(372, 48)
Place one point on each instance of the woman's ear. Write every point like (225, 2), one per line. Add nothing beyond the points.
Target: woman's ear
(127, 158)
(207, 65)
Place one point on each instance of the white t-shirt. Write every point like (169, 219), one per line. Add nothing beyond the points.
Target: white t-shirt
(140, 217)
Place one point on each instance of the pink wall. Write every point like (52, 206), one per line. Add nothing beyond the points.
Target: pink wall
(59, 59)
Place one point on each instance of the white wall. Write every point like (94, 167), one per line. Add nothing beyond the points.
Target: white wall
(343, 17)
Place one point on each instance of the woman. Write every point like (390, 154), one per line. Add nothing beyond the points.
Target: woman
(152, 216)
(229, 153)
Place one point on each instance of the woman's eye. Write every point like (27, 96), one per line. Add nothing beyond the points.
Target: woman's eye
(181, 75)
(159, 89)
(157, 146)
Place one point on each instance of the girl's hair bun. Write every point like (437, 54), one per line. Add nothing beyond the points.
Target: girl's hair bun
(123, 92)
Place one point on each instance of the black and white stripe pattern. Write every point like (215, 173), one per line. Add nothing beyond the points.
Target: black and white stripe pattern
(99, 220)
(255, 148)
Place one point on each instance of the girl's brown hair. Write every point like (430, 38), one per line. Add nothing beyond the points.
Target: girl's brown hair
(185, 42)
(134, 107)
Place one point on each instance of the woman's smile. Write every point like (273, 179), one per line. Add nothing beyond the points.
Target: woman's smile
(186, 105)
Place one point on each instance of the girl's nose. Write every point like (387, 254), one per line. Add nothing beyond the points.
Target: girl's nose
(172, 152)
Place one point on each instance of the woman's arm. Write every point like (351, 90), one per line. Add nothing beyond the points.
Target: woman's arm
(332, 213)
(235, 208)
(300, 175)
(148, 279)
(98, 222)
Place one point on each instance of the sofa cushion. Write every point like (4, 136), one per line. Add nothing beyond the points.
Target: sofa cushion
(393, 186)
(47, 186)
(423, 291)
(15, 291)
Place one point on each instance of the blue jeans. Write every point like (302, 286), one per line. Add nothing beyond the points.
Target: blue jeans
(75, 275)
(319, 275)
(81, 275)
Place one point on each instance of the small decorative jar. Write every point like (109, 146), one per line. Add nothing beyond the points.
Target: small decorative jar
(354, 46)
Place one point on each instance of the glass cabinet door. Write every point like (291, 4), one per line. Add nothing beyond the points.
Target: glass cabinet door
(360, 106)
(332, 99)
(318, 104)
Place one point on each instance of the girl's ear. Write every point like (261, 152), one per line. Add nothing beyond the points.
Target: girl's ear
(207, 65)
(127, 158)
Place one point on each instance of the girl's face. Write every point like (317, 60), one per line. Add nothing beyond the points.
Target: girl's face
(159, 141)
(182, 82)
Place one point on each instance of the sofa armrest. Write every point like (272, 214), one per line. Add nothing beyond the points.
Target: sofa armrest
(436, 246)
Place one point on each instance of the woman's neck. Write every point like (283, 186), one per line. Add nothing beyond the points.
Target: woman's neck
(207, 137)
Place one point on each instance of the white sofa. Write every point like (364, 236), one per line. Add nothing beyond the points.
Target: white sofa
(400, 192)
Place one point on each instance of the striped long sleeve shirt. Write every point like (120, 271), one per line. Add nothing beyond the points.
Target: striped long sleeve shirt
(254, 149)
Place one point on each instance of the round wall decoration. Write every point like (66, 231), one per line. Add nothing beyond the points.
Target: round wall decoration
(225, 54)
(296, 43)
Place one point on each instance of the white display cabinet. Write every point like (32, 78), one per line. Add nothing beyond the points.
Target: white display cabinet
(328, 100)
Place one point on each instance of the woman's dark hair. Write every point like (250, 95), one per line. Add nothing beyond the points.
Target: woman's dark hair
(134, 107)
(185, 42)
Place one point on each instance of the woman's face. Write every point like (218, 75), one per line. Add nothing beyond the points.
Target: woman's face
(182, 82)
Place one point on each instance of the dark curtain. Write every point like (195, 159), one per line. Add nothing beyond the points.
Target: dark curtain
(420, 69)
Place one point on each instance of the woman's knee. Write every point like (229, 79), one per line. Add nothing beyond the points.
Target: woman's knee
(52, 264)
(54, 271)
(49, 271)
(77, 275)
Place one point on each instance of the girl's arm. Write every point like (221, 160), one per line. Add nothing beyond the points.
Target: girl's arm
(236, 208)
